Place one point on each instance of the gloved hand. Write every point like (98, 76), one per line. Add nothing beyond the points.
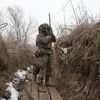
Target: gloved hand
(49, 37)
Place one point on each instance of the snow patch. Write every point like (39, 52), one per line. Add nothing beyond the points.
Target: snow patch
(13, 91)
(20, 74)
(64, 50)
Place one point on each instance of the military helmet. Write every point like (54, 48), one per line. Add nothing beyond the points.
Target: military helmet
(44, 29)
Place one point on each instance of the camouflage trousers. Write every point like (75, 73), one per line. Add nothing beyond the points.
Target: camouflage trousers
(44, 63)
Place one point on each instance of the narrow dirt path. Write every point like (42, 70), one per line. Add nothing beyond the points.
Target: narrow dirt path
(33, 93)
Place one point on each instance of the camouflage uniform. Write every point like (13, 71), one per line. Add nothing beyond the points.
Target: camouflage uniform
(44, 43)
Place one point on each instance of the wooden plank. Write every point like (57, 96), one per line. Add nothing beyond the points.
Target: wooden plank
(31, 93)
(34, 92)
(28, 94)
(44, 96)
(54, 94)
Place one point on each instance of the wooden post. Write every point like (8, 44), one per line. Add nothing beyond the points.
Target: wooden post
(49, 19)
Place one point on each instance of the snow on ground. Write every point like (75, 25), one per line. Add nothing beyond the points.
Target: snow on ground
(64, 50)
(19, 75)
(13, 91)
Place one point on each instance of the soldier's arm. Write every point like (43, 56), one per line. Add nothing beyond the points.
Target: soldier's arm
(50, 32)
(43, 39)
(53, 38)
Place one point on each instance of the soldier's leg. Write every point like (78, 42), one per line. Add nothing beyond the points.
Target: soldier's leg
(41, 79)
(36, 69)
(48, 71)
(43, 65)
(41, 75)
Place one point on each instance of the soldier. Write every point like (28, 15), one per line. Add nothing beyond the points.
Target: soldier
(44, 43)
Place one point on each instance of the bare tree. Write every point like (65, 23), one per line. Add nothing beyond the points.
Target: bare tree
(20, 29)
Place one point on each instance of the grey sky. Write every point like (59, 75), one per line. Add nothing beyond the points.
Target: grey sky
(40, 8)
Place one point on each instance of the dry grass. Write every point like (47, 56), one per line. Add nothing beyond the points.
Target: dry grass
(21, 55)
(4, 56)
(78, 72)
(16, 55)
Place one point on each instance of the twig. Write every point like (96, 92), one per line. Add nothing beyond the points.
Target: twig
(3, 25)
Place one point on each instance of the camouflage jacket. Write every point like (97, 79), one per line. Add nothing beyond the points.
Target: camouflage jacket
(44, 43)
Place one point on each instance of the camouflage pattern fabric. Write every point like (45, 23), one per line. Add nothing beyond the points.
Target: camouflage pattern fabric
(44, 43)
(44, 68)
